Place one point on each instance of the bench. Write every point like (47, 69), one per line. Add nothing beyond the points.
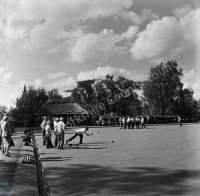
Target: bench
(26, 159)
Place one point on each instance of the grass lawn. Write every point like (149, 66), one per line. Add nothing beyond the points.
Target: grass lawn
(160, 160)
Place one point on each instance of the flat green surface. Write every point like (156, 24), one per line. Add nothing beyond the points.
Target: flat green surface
(160, 160)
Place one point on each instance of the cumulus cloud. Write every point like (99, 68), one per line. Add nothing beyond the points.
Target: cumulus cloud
(91, 46)
(99, 46)
(57, 75)
(102, 71)
(3, 52)
(158, 39)
(188, 78)
(38, 82)
(167, 36)
(48, 17)
(69, 83)
(6, 77)
(146, 14)
(129, 34)
(191, 80)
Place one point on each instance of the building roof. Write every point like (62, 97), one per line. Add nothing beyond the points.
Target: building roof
(60, 107)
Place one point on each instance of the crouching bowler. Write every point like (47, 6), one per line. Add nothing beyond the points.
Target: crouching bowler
(80, 132)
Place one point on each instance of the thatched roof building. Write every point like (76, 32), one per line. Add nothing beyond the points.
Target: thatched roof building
(66, 108)
(60, 107)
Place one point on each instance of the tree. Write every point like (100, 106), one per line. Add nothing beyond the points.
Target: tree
(28, 104)
(165, 94)
(54, 94)
(162, 88)
(118, 95)
(84, 91)
(186, 104)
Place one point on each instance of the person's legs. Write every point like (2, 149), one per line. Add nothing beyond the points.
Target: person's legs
(43, 133)
(133, 125)
(81, 138)
(6, 146)
(55, 140)
(59, 140)
(181, 123)
(47, 141)
(63, 138)
(70, 139)
(2, 147)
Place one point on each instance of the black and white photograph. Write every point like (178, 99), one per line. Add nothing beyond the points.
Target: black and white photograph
(99, 97)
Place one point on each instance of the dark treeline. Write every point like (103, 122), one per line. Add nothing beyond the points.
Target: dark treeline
(29, 103)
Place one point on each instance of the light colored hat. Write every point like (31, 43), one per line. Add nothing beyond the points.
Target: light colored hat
(57, 119)
(61, 118)
(48, 122)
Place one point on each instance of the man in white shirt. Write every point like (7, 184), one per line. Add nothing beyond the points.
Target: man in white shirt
(129, 122)
(55, 132)
(179, 121)
(132, 122)
(48, 135)
(80, 132)
(142, 122)
(137, 122)
(61, 133)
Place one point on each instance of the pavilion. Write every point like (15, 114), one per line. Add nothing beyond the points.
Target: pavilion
(66, 108)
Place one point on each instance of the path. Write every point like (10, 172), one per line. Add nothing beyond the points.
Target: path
(8, 165)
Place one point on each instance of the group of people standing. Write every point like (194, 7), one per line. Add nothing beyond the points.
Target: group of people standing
(132, 122)
(55, 136)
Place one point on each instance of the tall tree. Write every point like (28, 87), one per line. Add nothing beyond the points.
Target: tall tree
(165, 94)
(84, 92)
(162, 88)
(30, 101)
(117, 95)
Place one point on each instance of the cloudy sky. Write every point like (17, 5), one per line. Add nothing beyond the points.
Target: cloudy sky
(54, 43)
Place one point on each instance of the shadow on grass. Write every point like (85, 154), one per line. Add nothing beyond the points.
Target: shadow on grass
(83, 146)
(47, 159)
(99, 180)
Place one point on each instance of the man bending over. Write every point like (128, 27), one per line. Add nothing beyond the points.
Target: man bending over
(80, 132)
